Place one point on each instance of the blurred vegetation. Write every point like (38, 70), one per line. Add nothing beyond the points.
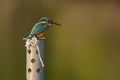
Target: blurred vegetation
(86, 47)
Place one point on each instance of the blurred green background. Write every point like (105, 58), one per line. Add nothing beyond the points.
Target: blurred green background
(86, 47)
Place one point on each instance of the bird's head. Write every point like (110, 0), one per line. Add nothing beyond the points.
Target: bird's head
(45, 20)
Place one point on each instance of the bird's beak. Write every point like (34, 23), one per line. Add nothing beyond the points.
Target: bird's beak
(55, 23)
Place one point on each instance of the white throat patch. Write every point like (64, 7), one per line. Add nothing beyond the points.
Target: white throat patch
(43, 22)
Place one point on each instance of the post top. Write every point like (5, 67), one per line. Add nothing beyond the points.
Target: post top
(42, 38)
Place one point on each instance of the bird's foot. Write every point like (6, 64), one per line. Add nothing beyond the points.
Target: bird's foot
(42, 38)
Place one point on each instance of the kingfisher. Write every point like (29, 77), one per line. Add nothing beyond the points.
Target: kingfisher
(41, 27)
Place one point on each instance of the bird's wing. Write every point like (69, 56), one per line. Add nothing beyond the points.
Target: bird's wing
(37, 29)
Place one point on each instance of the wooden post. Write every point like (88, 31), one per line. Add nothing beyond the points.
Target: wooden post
(34, 59)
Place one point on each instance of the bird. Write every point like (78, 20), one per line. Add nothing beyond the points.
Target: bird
(41, 27)
(38, 31)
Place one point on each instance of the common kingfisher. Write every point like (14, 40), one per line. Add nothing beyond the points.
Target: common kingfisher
(41, 27)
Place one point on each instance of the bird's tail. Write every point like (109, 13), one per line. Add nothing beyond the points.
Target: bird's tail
(28, 37)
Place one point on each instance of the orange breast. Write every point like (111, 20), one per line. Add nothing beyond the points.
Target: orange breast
(41, 34)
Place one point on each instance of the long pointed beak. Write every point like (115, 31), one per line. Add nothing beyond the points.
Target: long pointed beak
(55, 23)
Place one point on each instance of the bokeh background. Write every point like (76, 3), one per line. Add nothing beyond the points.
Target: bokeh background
(86, 47)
